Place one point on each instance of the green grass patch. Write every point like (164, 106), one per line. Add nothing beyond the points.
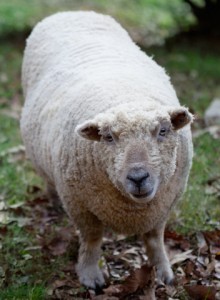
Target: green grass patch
(10, 61)
(26, 268)
(24, 292)
(16, 174)
(9, 134)
(199, 210)
(191, 61)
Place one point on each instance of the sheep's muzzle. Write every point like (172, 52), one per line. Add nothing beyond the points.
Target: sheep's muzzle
(139, 183)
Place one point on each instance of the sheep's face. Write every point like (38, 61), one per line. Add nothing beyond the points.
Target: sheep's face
(138, 149)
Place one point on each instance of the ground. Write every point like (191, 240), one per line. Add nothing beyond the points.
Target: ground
(38, 245)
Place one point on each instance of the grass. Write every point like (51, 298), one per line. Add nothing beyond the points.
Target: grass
(195, 75)
(16, 173)
(24, 292)
(19, 283)
(200, 210)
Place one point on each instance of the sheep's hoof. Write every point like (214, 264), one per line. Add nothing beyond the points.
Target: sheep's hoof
(91, 277)
(99, 289)
(165, 273)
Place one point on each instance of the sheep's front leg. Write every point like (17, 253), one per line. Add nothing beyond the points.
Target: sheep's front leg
(91, 231)
(154, 242)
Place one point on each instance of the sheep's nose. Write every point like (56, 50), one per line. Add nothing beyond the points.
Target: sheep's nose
(138, 177)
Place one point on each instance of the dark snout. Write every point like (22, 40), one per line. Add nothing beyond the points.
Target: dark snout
(139, 183)
(138, 177)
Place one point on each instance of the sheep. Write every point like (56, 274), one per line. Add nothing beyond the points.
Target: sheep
(103, 126)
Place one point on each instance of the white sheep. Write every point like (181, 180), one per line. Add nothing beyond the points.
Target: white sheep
(104, 128)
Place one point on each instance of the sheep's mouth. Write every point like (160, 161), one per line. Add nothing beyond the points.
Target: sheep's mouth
(141, 196)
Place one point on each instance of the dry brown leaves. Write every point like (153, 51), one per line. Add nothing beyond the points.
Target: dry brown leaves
(139, 281)
(195, 259)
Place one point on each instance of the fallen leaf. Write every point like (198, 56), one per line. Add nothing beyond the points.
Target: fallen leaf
(143, 278)
(189, 268)
(4, 217)
(104, 297)
(3, 206)
(15, 108)
(27, 256)
(63, 287)
(3, 230)
(58, 246)
(113, 289)
(180, 257)
(212, 237)
(200, 292)
(17, 205)
(60, 283)
(22, 221)
(18, 150)
(176, 240)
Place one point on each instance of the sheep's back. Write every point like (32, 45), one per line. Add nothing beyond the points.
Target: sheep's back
(74, 48)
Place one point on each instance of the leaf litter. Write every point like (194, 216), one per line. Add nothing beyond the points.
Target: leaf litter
(195, 259)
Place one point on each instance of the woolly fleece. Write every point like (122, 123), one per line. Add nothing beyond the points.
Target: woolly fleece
(81, 70)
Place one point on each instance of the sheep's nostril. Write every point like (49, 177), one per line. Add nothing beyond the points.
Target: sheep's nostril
(137, 178)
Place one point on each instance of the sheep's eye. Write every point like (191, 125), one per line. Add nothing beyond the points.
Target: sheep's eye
(162, 132)
(109, 138)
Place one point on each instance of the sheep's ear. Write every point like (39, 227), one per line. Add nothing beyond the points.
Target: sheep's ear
(180, 117)
(89, 130)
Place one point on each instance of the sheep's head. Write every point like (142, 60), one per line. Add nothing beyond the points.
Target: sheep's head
(138, 147)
